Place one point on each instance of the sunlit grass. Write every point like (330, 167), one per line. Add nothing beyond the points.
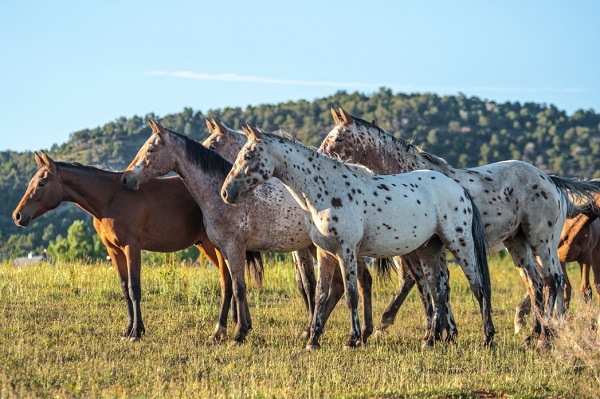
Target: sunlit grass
(60, 326)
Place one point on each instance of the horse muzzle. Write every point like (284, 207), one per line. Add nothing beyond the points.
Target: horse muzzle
(21, 219)
(130, 182)
(230, 195)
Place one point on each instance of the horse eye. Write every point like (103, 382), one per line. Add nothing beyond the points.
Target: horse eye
(41, 184)
(247, 157)
(151, 150)
(339, 140)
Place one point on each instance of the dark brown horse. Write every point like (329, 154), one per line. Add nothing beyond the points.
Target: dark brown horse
(162, 217)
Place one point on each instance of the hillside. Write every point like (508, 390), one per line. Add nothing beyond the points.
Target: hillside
(466, 131)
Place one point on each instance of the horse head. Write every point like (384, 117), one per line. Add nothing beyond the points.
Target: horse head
(224, 141)
(346, 140)
(155, 158)
(44, 192)
(250, 168)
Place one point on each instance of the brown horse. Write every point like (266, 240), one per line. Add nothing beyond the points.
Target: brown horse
(579, 242)
(162, 216)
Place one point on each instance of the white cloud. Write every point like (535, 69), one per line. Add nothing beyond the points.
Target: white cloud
(231, 77)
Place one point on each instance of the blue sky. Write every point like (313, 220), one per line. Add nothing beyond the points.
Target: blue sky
(71, 65)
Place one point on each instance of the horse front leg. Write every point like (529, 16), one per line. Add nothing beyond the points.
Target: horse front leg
(365, 283)
(585, 287)
(120, 261)
(235, 259)
(226, 299)
(348, 264)
(134, 264)
(327, 266)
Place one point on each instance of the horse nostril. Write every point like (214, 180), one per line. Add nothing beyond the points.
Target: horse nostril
(224, 194)
(18, 216)
(124, 180)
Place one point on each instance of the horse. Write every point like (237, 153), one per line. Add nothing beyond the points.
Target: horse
(227, 143)
(162, 216)
(579, 242)
(351, 212)
(522, 208)
(265, 222)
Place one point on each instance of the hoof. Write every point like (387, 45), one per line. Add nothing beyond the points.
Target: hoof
(314, 347)
(543, 345)
(428, 344)
(134, 339)
(378, 334)
(304, 335)
(236, 343)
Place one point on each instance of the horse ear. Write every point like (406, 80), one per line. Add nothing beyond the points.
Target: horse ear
(254, 133)
(153, 126)
(46, 159)
(245, 130)
(347, 118)
(373, 122)
(38, 159)
(335, 115)
(211, 128)
(219, 127)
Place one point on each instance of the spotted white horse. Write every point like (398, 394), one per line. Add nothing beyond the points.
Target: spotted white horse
(351, 212)
(522, 208)
(228, 143)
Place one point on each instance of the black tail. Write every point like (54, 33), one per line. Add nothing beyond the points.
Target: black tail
(255, 268)
(384, 267)
(479, 239)
(582, 195)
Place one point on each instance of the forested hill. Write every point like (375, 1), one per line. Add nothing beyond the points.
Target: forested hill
(466, 131)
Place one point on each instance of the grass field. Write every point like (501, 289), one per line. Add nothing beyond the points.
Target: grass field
(60, 327)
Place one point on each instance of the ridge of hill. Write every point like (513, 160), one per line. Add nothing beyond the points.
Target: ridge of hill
(466, 131)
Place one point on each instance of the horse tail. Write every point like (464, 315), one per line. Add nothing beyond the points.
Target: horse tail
(255, 268)
(384, 267)
(480, 243)
(582, 196)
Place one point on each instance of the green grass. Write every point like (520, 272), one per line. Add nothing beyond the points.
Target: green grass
(60, 327)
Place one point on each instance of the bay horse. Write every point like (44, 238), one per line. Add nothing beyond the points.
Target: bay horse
(579, 242)
(351, 212)
(228, 143)
(522, 208)
(162, 217)
(264, 222)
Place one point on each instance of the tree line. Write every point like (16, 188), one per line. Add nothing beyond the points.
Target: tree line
(466, 131)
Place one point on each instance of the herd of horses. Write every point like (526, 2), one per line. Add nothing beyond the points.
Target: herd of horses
(362, 193)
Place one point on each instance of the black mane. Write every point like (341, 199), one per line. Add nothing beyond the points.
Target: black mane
(205, 159)
(89, 168)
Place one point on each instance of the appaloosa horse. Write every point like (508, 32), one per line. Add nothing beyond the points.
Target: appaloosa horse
(228, 143)
(162, 216)
(350, 212)
(263, 222)
(521, 207)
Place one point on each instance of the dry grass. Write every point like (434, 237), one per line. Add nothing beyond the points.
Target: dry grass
(60, 326)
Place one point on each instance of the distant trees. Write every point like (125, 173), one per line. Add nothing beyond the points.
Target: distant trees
(466, 131)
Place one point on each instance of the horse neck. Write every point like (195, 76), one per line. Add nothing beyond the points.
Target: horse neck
(89, 189)
(407, 157)
(299, 168)
(235, 141)
(204, 186)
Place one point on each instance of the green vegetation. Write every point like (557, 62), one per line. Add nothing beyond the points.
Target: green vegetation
(466, 131)
(61, 325)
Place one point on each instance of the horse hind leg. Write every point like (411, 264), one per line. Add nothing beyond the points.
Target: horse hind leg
(306, 283)
(586, 289)
(406, 281)
(519, 250)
